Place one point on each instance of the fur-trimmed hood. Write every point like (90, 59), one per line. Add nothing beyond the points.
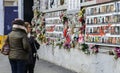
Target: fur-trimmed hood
(15, 26)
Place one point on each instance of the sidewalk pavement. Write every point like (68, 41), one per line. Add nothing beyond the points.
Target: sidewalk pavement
(41, 67)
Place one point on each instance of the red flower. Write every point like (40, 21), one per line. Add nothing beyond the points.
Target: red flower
(65, 32)
(80, 19)
(117, 50)
(83, 27)
(68, 39)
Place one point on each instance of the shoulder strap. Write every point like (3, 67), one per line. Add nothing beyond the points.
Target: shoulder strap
(35, 46)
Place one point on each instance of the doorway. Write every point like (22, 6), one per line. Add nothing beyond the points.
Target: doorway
(28, 13)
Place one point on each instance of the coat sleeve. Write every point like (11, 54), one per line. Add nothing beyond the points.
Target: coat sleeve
(26, 45)
(37, 44)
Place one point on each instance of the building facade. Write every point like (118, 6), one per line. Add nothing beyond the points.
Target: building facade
(10, 2)
(97, 16)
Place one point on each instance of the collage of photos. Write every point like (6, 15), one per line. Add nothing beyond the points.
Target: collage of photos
(55, 21)
(50, 4)
(112, 30)
(54, 26)
(103, 40)
(101, 9)
(54, 35)
(106, 18)
(103, 19)
(54, 14)
(54, 3)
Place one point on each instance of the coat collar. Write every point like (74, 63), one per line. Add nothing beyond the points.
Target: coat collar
(15, 26)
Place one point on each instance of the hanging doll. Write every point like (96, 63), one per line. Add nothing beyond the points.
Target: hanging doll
(66, 34)
(81, 38)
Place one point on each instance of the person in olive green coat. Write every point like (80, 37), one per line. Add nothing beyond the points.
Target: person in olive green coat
(19, 47)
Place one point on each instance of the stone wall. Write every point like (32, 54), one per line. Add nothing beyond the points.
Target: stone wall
(77, 61)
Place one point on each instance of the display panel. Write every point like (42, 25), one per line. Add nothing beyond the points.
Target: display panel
(103, 24)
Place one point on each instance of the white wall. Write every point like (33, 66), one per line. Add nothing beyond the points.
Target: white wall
(2, 18)
(77, 61)
(20, 9)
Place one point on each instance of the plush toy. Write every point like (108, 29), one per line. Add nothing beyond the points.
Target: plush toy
(65, 30)
(81, 38)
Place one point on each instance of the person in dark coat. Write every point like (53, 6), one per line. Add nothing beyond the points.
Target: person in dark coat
(19, 47)
(34, 46)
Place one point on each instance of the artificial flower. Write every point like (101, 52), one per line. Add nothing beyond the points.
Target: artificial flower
(117, 52)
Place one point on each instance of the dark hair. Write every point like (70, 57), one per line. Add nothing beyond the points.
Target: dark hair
(26, 25)
(18, 22)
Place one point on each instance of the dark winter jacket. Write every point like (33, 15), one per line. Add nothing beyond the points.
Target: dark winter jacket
(19, 44)
(34, 47)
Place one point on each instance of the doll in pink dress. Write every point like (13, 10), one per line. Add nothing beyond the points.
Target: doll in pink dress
(81, 38)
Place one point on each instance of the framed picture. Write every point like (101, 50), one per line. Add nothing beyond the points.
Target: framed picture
(92, 11)
(91, 30)
(106, 19)
(101, 19)
(88, 11)
(95, 20)
(92, 20)
(87, 30)
(106, 40)
(98, 9)
(112, 8)
(88, 21)
(95, 30)
(102, 39)
(92, 39)
(114, 40)
(118, 18)
(95, 10)
(115, 18)
(109, 40)
(108, 8)
(61, 2)
(118, 6)
(112, 30)
(116, 30)
(118, 40)
(111, 19)
(103, 9)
